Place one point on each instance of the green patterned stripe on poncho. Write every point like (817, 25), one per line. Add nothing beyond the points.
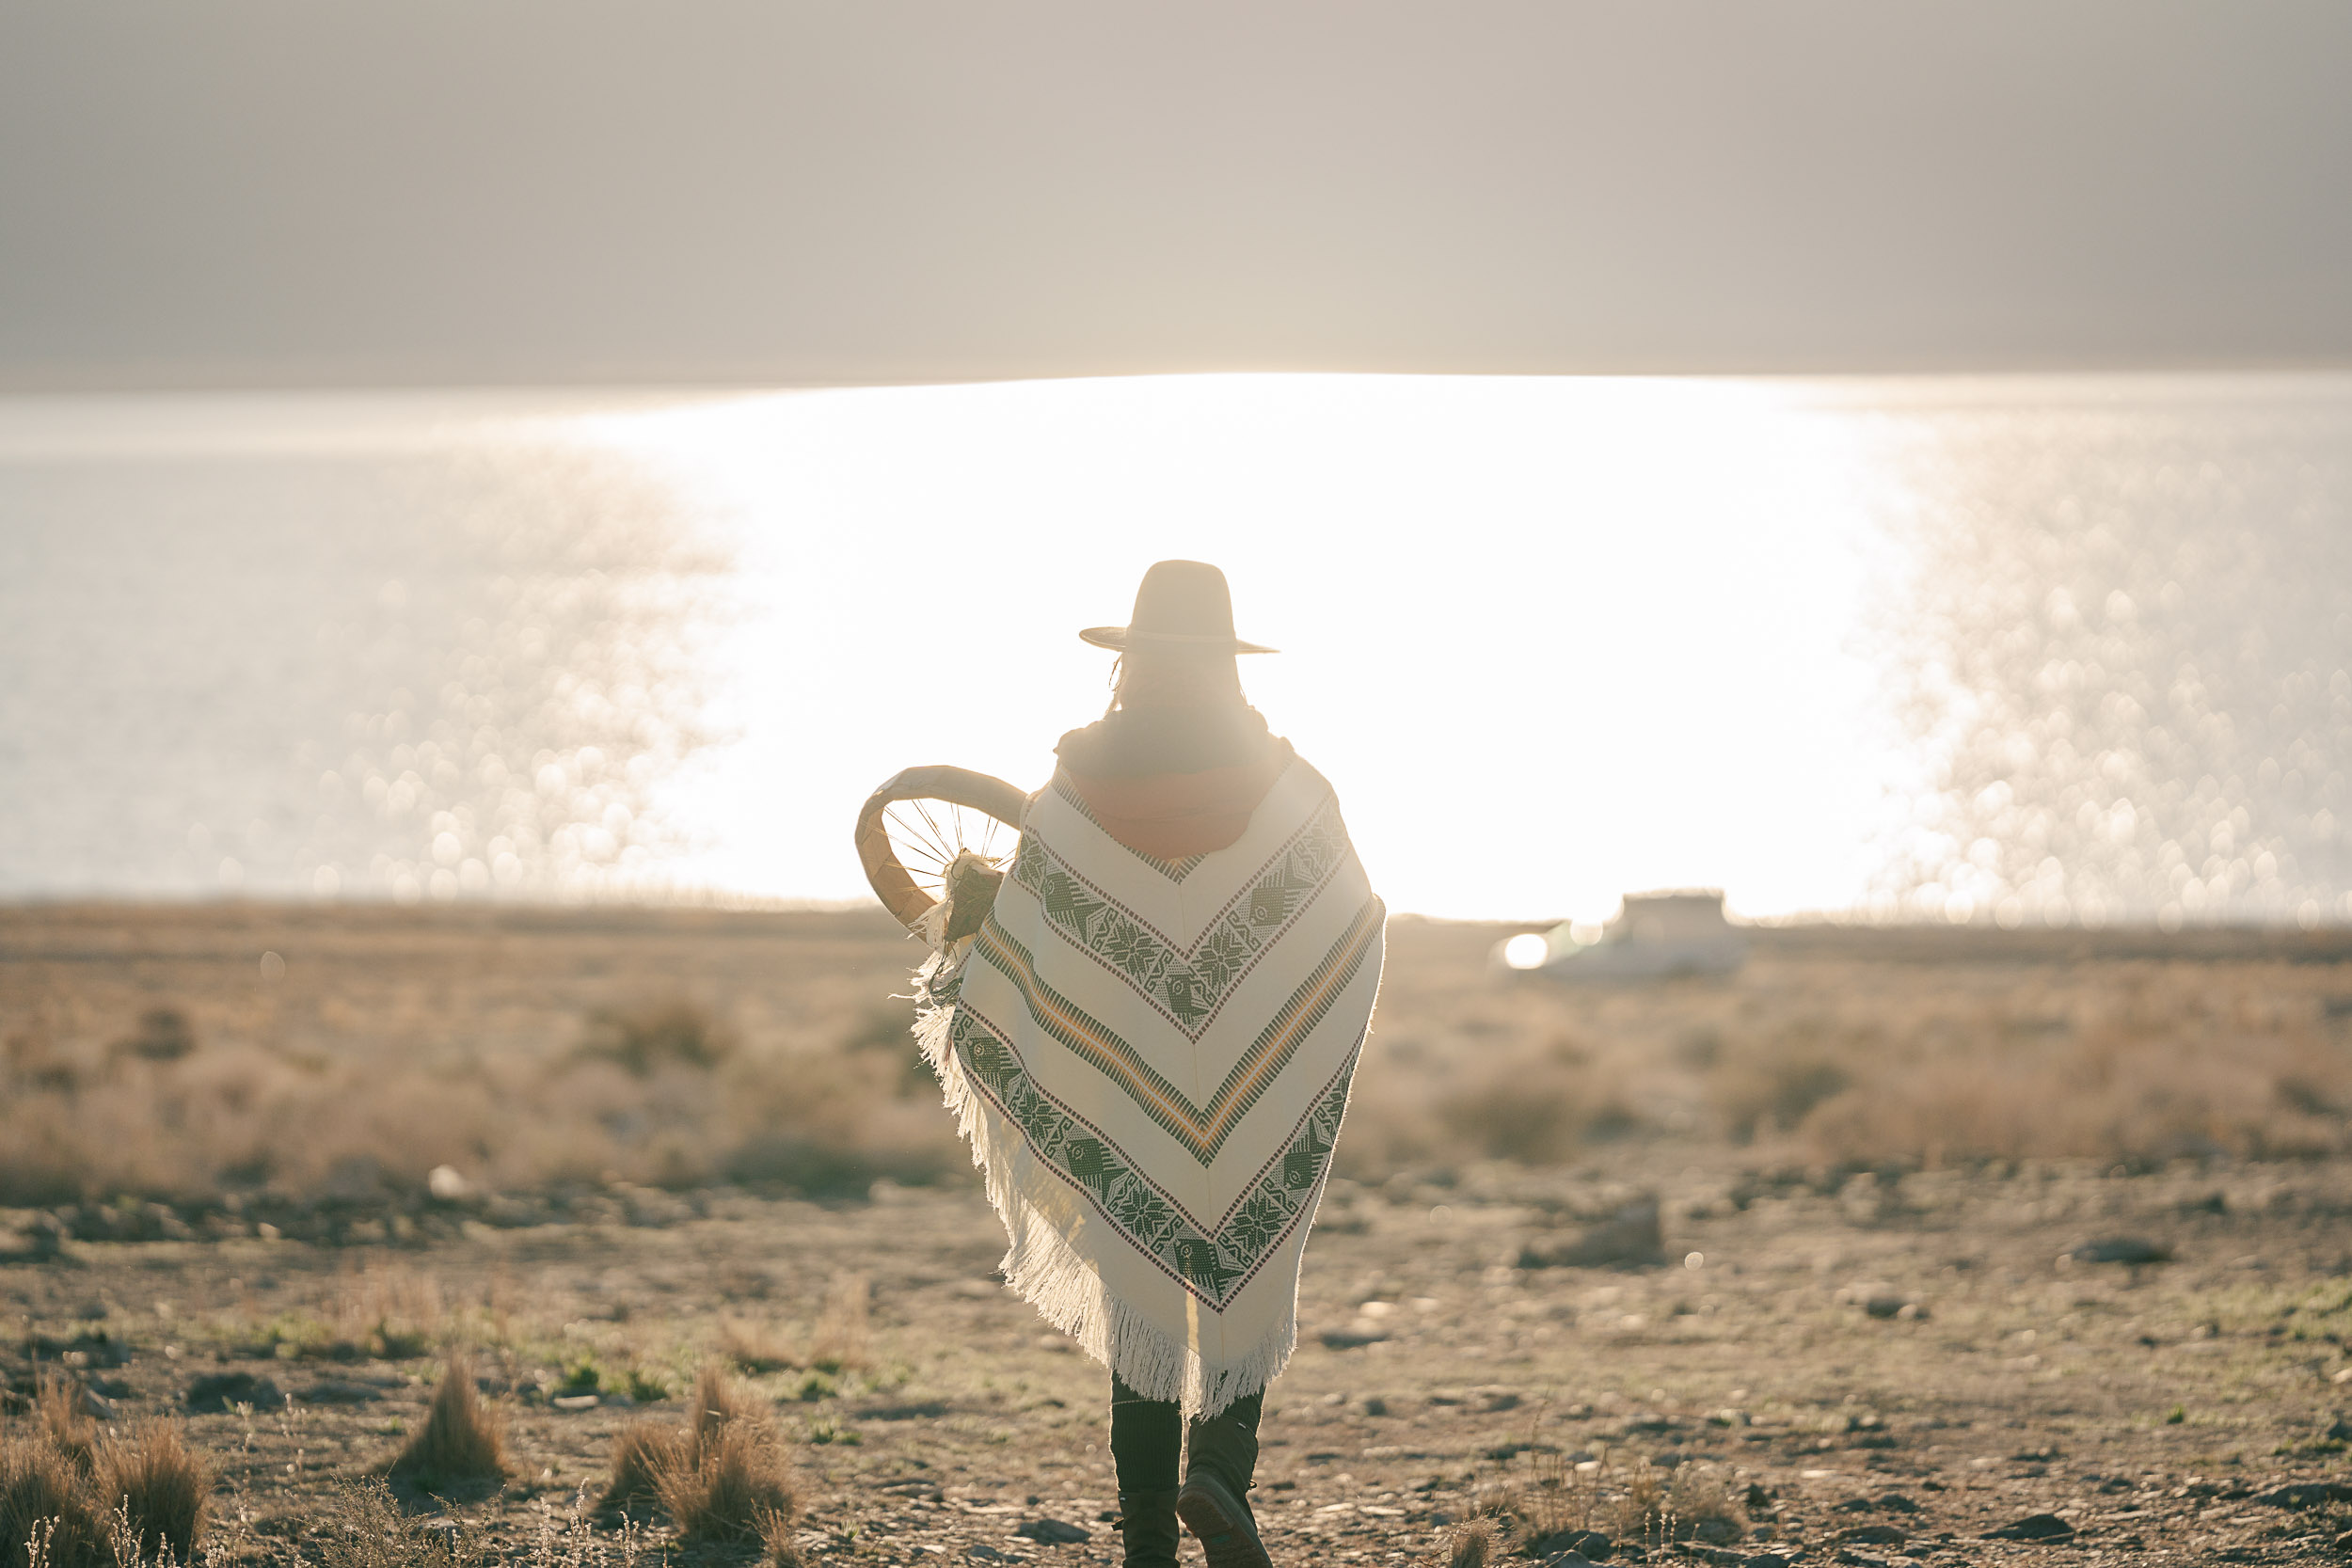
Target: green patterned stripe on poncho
(1151, 1061)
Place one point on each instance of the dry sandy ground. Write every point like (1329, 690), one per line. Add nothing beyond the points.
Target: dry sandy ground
(2158, 1408)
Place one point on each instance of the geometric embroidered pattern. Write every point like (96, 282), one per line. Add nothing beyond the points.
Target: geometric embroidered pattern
(1211, 1263)
(1153, 1077)
(1200, 1129)
(1186, 985)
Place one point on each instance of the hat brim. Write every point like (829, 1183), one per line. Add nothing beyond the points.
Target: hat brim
(1120, 639)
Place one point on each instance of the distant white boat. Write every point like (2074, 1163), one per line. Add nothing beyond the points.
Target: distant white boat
(1654, 935)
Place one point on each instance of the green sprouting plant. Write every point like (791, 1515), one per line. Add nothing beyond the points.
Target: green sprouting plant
(646, 1387)
(824, 1429)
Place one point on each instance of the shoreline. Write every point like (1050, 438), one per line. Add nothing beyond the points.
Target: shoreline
(1909, 941)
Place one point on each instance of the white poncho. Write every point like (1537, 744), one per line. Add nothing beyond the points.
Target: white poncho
(1151, 1060)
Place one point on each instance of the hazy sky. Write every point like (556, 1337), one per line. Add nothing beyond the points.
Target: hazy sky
(282, 192)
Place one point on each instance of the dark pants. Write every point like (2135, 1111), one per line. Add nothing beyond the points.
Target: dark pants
(1145, 1435)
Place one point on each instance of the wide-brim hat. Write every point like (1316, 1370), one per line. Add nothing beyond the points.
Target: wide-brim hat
(1179, 604)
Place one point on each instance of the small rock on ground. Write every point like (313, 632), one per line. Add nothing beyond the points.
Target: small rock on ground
(2121, 1250)
(2033, 1527)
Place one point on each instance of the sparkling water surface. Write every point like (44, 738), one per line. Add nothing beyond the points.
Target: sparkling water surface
(2037, 650)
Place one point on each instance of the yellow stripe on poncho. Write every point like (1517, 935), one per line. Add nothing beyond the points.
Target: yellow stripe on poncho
(1151, 1060)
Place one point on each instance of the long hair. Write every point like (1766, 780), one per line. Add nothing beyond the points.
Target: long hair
(1162, 677)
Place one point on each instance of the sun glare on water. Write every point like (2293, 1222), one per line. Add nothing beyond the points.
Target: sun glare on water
(1551, 639)
(1527, 950)
(2054, 650)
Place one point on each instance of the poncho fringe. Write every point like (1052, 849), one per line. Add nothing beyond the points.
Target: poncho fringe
(1055, 1278)
(1151, 1061)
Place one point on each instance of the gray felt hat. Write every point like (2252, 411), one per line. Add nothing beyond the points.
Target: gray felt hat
(1181, 604)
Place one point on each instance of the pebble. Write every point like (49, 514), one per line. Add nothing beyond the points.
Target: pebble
(2033, 1527)
(2121, 1249)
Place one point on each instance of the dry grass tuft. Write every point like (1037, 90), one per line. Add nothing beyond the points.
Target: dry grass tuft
(391, 1311)
(71, 1491)
(1644, 1513)
(673, 1032)
(41, 1490)
(1657, 1509)
(1773, 1090)
(1535, 1107)
(30, 1062)
(718, 1400)
(462, 1442)
(838, 1341)
(63, 1424)
(724, 1476)
(1703, 1509)
(366, 1528)
(753, 1348)
(740, 1488)
(1474, 1546)
(159, 1486)
(163, 1035)
(1547, 1498)
(842, 1329)
(642, 1453)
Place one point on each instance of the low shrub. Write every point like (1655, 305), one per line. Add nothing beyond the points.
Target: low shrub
(164, 1035)
(1474, 1546)
(740, 1488)
(44, 1498)
(366, 1528)
(1683, 1505)
(158, 1486)
(69, 1491)
(723, 1476)
(462, 1442)
(672, 1032)
(64, 1425)
(1774, 1088)
(754, 1348)
(642, 1453)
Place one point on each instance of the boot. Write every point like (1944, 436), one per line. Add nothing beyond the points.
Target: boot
(1215, 1502)
(1147, 1527)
